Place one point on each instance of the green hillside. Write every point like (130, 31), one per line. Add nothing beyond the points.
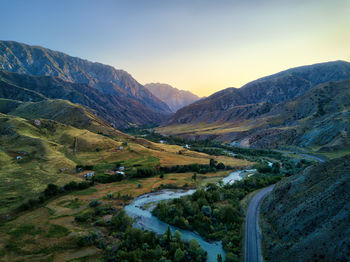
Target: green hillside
(43, 148)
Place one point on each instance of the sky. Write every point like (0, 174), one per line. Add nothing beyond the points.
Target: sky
(198, 45)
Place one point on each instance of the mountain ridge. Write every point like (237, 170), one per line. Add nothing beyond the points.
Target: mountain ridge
(275, 88)
(39, 61)
(172, 96)
(315, 119)
(37, 88)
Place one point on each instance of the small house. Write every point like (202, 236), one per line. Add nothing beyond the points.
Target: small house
(19, 157)
(187, 146)
(121, 148)
(162, 141)
(90, 174)
(121, 168)
(120, 173)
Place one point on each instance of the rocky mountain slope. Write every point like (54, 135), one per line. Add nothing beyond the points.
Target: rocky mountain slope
(114, 109)
(317, 116)
(318, 119)
(307, 216)
(276, 88)
(173, 97)
(39, 61)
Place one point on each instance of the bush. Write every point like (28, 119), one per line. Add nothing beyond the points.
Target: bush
(220, 166)
(94, 203)
(263, 168)
(145, 172)
(51, 190)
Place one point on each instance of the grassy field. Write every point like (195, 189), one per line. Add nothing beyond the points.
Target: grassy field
(49, 147)
(35, 153)
(49, 233)
(209, 128)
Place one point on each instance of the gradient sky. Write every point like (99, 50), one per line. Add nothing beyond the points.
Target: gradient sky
(197, 45)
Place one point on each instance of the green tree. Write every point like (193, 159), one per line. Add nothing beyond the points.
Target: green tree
(212, 163)
(51, 190)
(168, 234)
(206, 210)
(195, 248)
(220, 166)
(194, 177)
(179, 255)
(121, 221)
(219, 259)
(230, 257)
(177, 235)
(276, 168)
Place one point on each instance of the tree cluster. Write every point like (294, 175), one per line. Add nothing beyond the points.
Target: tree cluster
(51, 191)
(214, 212)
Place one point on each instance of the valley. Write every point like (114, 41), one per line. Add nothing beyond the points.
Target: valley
(95, 166)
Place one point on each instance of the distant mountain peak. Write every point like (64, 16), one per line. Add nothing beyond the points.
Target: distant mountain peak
(173, 97)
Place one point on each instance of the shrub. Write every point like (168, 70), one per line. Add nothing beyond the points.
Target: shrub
(94, 203)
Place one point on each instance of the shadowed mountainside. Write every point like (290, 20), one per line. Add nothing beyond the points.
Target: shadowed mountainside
(307, 216)
(38, 61)
(317, 118)
(173, 97)
(273, 89)
(118, 111)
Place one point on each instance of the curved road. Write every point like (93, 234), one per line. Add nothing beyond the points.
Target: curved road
(252, 245)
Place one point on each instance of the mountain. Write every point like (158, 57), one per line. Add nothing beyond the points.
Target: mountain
(273, 89)
(307, 216)
(61, 111)
(38, 61)
(318, 119)
(314, 115)
(173, 97)
(116, 110)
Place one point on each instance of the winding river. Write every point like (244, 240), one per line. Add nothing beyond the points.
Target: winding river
(145, 220)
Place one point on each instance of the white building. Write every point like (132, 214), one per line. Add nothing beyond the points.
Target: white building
(87, 175)
(187, 146)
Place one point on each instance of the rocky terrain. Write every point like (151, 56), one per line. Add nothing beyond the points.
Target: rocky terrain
(274, 89)
(307, 216)
(173, 97)
(299, 113)
(134, 102)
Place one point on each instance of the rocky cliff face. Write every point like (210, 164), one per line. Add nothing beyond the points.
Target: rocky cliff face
(173, 97)
(38, 61)
(307, 216)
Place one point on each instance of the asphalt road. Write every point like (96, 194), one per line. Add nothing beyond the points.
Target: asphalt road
(253, 237)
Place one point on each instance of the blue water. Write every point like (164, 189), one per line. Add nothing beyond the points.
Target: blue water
(145, 220)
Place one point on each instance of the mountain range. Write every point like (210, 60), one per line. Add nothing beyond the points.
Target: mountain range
(172, 96)
(128, 102)
(304, 106)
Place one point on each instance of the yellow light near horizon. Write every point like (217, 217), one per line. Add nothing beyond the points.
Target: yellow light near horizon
(205, 75)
